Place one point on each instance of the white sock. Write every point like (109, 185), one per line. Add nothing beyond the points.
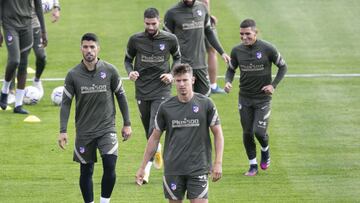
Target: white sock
(264, 149)
(148, 167)
(5, 87)
(252, 161)
(19, 96)
(104, 200)
(213, 86)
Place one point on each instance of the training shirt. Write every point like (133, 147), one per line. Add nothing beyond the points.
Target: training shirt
(255, 63)
(94, 95)
(17, 13)
(151, 56)
(187, 148)
(191, 25)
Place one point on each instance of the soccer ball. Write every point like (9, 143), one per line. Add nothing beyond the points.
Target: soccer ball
(56, 95)
(32, 95)
(47, 5)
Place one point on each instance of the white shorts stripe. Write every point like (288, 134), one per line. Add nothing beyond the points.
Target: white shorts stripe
(168, 189)
(113, 149)
(202, 195)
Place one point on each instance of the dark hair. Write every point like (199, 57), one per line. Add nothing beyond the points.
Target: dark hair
(248, 23)
(151, 13)
(181, 69)
(90, 37)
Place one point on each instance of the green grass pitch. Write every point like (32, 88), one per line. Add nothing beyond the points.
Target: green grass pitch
(314, 127)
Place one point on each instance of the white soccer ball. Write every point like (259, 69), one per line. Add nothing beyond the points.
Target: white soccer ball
(32, 95)
(47, 5)
(56, 95)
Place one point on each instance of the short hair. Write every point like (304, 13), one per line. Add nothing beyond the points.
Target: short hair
(151, 13)
(90, 37)
(248, 23)
(181, 69)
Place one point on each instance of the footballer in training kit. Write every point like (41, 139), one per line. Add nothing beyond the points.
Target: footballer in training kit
(254, 58)
(190, 22)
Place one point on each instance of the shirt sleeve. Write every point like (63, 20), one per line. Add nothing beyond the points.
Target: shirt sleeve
(40, 14)
(67, 97)
(276, 58)
(175, 52)
(160, 123)
(230, 72)
(169, 24)
(130, 55)
(119, 91)
(212, 114)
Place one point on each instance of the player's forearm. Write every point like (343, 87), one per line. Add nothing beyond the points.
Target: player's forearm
(213, 40)
(280, 75)
(218, 143)
(40, 14)
(151, 147)
(124, 108)
(64, 117)
(128, 65)
(229, 75)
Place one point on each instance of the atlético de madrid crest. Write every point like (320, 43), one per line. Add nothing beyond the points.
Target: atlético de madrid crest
(103, 75)
(258, 55)
(162, 47)
(195, 109)
(199, 12)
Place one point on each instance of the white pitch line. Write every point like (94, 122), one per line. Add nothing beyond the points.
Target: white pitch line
(317, 75)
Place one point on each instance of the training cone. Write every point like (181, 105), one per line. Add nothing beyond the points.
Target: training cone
(30, 70)
(32, 119)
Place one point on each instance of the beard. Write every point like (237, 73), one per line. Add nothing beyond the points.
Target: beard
(89, 58)
(152, 33)
(189, 4)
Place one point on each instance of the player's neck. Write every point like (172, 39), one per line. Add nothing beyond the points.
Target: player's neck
(90, 66)
(185, 98)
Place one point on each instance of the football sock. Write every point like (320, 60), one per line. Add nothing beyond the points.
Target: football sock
(86, 183)
(5, 87)
(19, 96)
(264, 149)
(252, 161)
(104, 200)
(213, 86)
(109, 175)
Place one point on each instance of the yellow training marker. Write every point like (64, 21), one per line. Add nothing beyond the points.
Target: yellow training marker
(8, 108)
(32, 119)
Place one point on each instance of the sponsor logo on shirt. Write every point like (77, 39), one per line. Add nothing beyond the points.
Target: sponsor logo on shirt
(152, 59)
(185, 123)
(252, 67)
(93, 89)
(193, 25)
(162, 47)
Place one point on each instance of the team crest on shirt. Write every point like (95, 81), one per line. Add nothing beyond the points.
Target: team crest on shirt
(103, 75)
(199, 12)
(81, 150)
(173, 186)
(162, 47)
(258, 55)
(195, 109)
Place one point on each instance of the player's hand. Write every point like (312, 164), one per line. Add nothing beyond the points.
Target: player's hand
(55, 15)
(62, 140)
(213, 20)
(134, 75)
(44, 39)
(228, 87)
(126, 132)
(226, 58)
(166, 78)
(268, 89)
(139, 177)
(216, 172)
(1, 38)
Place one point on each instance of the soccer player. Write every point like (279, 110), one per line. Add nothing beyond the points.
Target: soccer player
(212, 56)
(94, 83)
(189, 20)
(151, 50)
(15, 19)
(254, 57)
(186, 118)
(39, 50)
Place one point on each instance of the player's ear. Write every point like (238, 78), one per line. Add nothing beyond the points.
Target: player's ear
(192, 80)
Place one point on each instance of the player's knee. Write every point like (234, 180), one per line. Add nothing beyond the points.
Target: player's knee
(13, 63)
(109, 164)
(86, 170)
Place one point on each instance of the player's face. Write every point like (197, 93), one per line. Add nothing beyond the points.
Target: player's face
(189, 3)
(90, 50)
(152, 25)
(248, 35)
(184, 83)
